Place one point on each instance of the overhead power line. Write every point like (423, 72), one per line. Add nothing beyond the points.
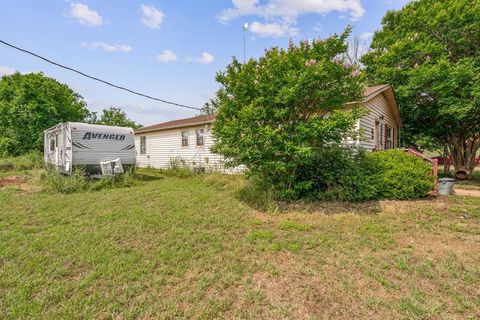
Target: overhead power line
(98, 79)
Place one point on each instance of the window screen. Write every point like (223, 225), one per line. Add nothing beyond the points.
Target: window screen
(184, 138)
(200, 137)
(143, 145)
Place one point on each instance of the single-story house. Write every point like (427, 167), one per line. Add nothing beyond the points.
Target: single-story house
(189, 140)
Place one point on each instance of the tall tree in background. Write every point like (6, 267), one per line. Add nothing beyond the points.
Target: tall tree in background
(113, 116)
(271, 112)
(31, 103)
(429, 52)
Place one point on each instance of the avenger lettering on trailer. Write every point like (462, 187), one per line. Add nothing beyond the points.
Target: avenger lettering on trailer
(104, 136)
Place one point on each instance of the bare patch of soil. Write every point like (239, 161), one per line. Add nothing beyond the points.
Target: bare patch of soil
(12, 180)
(467, 192)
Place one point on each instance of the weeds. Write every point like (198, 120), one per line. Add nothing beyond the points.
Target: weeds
(258, 195)
(54, 182)
(29, 161)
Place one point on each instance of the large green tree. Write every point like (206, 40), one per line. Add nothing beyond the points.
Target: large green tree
(113, 116)
(278, 114)
(430, 52)
(31, 103)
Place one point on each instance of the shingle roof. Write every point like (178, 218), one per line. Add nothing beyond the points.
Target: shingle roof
(202, 119)
(373, 90)
(205, 119)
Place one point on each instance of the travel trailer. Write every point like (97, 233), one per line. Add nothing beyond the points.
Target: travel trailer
(74, 144)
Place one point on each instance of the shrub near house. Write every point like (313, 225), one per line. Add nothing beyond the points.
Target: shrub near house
(350, 175)
(272, 118)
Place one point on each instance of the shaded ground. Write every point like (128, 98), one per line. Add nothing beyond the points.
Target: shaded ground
(190, 248)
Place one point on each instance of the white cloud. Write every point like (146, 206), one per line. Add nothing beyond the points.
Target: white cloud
(6, 71)
(272, 29)
(281, 15)
(290, 10)
(107, 47)
(85, 15)
(151, 16)
(205, 58)
(366, 36)
(166, 56)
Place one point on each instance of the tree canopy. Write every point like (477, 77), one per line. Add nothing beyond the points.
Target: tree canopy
(31, 103)
(113, 116)
(276, 114)
(429, 52)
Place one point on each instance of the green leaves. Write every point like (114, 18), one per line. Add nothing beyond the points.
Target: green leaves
(429, 52)
(277, 113)
(31, 103)
(113, 117)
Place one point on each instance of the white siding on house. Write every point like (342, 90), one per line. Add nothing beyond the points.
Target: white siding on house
(376, 108)
(164, 146)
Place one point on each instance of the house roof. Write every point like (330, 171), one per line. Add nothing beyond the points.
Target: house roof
(387, 91)
(187, 122)
(369, 93)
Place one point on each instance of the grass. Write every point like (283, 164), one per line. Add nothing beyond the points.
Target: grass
(202, 247)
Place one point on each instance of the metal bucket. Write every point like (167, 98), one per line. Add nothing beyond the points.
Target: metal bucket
(445, 186)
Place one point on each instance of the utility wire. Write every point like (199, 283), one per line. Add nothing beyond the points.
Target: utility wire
(98, 79)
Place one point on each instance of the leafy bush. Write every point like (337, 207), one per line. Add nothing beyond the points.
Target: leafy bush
(271, 112)
(390, 174)
(28, 161)
(400, 175)
(349, 174)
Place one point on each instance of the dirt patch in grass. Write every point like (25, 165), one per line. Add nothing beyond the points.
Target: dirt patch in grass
(12, 180)
(18, 182)
(467, 192)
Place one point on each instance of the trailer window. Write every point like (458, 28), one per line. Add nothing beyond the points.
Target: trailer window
(184, 138)
(200, 137)
(143, 145)
(52, 144)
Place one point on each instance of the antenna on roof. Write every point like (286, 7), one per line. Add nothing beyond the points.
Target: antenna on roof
(245, 28)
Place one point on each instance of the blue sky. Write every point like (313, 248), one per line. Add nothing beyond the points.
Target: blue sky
(166, 48)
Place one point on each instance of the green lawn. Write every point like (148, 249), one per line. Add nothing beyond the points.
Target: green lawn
(191, 248)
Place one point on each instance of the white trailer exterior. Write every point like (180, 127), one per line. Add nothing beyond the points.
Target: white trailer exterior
(75, 144)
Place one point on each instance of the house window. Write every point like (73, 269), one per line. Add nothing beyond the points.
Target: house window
(200, 137)
(377, 135)
(388, 138)
(184, 138)
(52, 145)
(143, 145)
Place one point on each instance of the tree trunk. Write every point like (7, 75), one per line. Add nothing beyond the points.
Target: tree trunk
(446, 160)
(463, 152)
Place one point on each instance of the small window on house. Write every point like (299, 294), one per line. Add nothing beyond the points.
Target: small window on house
(377, 135)
(200, 137)
(388, 138)
(143, 145)
(184, 138)
(52, 145)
